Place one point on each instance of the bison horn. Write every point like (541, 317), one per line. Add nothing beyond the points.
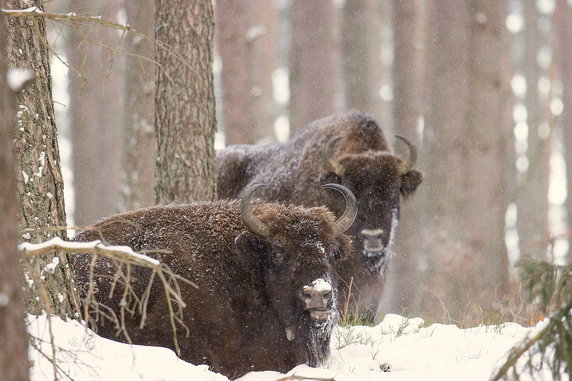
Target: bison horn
(250, 220)
(410, 162)
(347, 219)
(327, 157)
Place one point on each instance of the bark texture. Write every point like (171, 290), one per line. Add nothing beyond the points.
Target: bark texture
(139, 142)
(184, 102)
(39, 179)
(14, 356)
(314, 61)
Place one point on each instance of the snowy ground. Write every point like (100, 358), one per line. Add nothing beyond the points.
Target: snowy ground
(439, 352)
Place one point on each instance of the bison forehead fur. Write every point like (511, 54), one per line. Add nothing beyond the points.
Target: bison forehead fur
(295, 170)
(246, 313)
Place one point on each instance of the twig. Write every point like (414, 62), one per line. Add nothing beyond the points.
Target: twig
(517, 352)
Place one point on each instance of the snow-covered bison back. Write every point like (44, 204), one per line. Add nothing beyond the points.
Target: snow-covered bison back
(349, 149)
(266, 296)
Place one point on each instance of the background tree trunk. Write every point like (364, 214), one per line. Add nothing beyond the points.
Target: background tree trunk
(265, 62)
(486, 141)
(184, 102)
(139, 141)
(95, 114)
(14, 355)
(40, 184)
(313, 61)
(532, 189)
(361, 42)
(447, 101)
(234, 20)
(410, 55)
(563, 27)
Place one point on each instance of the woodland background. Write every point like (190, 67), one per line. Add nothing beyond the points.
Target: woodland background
(484, 89)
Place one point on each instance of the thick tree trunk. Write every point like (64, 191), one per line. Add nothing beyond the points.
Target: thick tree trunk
(563, 27)
(532, 185)
(409, 65)
(184, 102)
(13, 336)
(95, 114)
(139, 141)
(40, 184)
(486, 140)
(440, 244)
(314, 61)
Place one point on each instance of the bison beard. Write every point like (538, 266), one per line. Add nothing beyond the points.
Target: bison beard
(266, 296)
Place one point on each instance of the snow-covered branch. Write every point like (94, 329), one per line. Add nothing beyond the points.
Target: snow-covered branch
(56, 243)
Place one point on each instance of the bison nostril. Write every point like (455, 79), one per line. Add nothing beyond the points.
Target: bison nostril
(327, 297)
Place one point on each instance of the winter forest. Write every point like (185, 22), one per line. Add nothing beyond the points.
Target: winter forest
(285, 190)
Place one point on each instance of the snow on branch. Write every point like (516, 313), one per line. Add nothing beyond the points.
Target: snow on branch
(123, 258)
(56, 243)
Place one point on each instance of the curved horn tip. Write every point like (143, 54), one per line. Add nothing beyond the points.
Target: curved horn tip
(327, 156)
(410, 162)
(350, 213)
(250, 220)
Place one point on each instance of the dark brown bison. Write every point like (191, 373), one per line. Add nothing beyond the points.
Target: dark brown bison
(348, 149)
(266, 296)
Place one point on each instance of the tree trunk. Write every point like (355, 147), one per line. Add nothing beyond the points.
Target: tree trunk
(40, 184)
(139, 142)
(441, 192)
(409, 65)
(184, 102)
(95, 114)
(486, 140)
(361, 52)
(562, 17)
(14, 356)
(314, 61)
(532, 185)
(236, 51)
(265, 62)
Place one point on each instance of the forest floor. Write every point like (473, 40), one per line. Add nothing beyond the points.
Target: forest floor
(412, 351)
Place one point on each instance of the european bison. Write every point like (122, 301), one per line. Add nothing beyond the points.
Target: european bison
(348, 149)
(266, 296)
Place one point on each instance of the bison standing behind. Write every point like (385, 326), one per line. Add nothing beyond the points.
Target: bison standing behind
(266, 296)
(348, 149)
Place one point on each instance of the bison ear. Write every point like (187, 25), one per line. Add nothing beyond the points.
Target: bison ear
(410, 180)
(250, 247)
(329, 178)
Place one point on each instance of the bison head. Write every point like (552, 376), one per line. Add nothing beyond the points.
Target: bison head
(295, 250)
(379, 180)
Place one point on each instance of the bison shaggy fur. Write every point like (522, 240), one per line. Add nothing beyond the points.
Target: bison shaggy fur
(250, 309)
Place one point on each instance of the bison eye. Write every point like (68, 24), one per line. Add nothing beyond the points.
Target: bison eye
(277, 257)
(336, 253)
